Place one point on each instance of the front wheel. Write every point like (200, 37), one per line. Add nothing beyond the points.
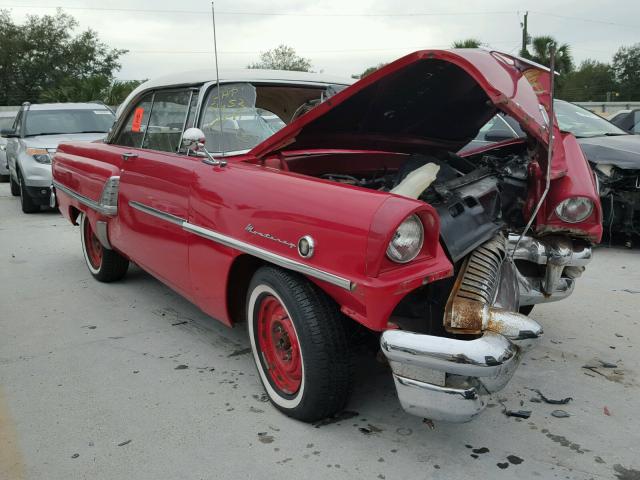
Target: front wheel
(104, 264)
(299, 344)
(15, 187)
(26, 202)
(526, 309)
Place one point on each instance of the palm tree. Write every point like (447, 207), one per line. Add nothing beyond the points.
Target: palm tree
(541, 53)
(467, 43)
(116, 93)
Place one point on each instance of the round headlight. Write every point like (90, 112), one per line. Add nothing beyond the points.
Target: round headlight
(574, 209)
(407, 240)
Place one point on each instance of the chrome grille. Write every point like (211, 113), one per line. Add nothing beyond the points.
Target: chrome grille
(476, 287)
(481, 275)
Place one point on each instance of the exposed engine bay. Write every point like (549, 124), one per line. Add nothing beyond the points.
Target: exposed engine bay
(480, 200)
(475, 197)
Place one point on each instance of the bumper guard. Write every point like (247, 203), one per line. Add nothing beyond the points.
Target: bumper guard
(564, 258)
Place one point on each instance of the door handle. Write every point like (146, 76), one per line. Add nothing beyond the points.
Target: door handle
(129, 156)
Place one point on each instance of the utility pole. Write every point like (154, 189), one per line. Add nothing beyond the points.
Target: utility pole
(525, 34)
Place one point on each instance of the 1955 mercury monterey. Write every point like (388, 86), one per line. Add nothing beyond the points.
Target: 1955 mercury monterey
(358, 211)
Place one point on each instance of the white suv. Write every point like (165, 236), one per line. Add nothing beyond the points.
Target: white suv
(34, 138)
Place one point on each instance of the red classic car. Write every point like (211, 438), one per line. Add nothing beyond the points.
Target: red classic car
(357, 213)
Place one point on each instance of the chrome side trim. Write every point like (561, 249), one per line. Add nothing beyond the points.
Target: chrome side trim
(92, 204)
(258, 252)
(269, 256)
(157, 213)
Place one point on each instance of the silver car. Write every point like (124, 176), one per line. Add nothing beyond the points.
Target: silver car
(6, 122)
(34, 138)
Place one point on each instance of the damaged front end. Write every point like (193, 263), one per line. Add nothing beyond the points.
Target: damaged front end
(515, 221)
(445, 377)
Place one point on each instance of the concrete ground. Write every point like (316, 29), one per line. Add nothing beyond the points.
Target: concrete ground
(131, 381)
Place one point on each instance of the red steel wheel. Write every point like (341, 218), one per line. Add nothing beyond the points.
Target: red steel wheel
(92, 246)
(299, 344)
(105, 265)
(279, 345)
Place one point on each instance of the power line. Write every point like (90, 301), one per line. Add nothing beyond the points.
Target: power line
(301, 14)
(271, 14)
(588, 20)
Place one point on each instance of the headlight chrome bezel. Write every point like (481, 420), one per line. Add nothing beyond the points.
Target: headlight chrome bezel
(560, 209)
(411, 221)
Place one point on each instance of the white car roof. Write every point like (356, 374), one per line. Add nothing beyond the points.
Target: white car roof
(231, 76)
(244, 75)
(67, 106)
(8, 113)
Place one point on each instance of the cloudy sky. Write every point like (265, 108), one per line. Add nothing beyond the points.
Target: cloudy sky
(339, 37)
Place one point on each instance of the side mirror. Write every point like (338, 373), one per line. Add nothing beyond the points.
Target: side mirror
(8, 133)
(498, 135)
(193, 139)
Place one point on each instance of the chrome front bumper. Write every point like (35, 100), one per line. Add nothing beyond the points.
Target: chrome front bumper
(564, 261)
(444, 379)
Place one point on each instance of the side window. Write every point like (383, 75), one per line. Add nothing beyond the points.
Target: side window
(193, 109)
(635, 126)
(167, 119)
(191, 117)
(132, 131)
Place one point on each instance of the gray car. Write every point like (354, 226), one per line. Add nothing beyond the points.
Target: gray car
(6, 121)
(34, 137)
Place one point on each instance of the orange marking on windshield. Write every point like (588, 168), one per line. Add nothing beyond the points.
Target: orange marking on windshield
(137, 119)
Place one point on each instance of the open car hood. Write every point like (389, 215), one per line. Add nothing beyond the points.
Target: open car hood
(429, 98)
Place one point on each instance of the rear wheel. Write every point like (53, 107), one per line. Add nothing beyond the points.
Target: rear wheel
(299, 344)
(26, 202)
(104, 264)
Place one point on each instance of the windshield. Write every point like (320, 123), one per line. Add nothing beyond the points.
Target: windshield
(243, 124)
(50, 122)
(583, 123)
(6, 123)
(249, 114)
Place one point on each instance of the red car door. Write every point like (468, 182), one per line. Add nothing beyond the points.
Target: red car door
(154, 186)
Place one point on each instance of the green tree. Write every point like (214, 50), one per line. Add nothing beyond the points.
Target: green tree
(590, 82)
(46, 53)
(95, 88)
(119, 90)
(542, 53)
(626, 68)
(76, 90)
(282, 58)
(368, 71)
(467, 43)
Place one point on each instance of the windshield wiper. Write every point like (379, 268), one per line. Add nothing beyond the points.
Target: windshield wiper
(44, 133)
(92, 131)
(608, 134)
